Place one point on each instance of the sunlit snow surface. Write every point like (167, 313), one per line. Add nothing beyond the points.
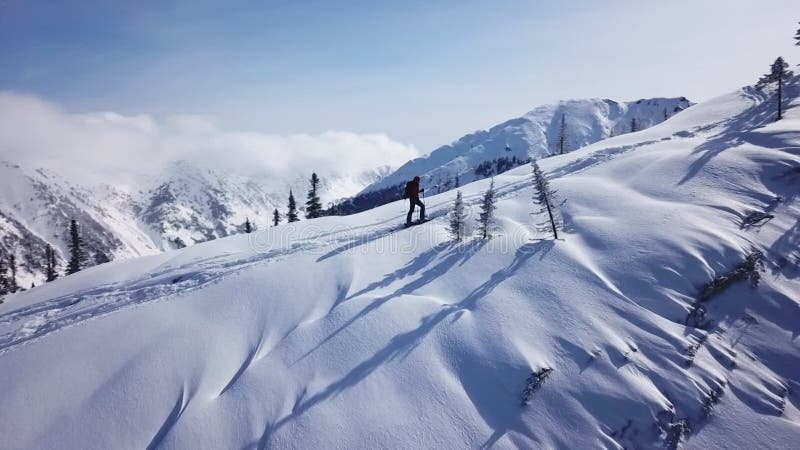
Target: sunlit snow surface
(350, 332)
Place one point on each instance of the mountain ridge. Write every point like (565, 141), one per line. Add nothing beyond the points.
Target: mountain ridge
(484, 153)
(186, 203)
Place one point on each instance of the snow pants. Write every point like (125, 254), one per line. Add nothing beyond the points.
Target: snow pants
(415, 201)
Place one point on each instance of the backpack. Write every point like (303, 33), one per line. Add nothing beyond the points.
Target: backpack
(408, 189)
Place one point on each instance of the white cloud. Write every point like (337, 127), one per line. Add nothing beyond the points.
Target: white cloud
(110, 147)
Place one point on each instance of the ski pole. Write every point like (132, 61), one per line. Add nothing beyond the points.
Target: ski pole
(424, 208)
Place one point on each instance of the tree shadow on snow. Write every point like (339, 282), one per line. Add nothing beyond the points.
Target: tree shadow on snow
(404, 343)
(779, 141)
(494, 389)
(735, 133)
(785, 253)
(453, 254)
(463, 251)
(709, 150)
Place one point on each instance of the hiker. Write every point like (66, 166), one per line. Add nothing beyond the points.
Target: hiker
(412, 192)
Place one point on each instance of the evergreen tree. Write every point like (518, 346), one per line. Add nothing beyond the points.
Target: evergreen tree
(633, 124)
(76, 255)
(12, 277)
(248, 228)
(101, 258)
(778, 73)
(666, 114)
(313, 205)
(486, 216)
(276, 217)
(797, 36)
(51, 273)
(333, 209)
(562, 135)
(3, 277)
(457, 218)
(545, 198)
(291, 215)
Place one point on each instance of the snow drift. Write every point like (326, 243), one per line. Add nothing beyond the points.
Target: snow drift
(349, 332)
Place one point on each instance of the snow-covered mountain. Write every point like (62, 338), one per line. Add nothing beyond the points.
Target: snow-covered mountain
(36, 207)
(667, 316)
(182, 205)
(534, 135)
(186, 202)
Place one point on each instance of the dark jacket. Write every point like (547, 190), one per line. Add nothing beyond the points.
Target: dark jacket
(412, 189)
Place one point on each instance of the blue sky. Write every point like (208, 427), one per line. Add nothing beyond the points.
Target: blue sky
(422, 72)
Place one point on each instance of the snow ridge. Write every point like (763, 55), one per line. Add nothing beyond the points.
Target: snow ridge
(534, 135)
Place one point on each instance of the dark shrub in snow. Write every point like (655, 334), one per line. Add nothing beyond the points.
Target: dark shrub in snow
(534, 381)
(748, 269)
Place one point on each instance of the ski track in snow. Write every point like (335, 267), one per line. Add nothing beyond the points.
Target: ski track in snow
(41, 319)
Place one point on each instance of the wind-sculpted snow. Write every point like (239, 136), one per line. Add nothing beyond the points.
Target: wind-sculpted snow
(352, 332)
(37, 320)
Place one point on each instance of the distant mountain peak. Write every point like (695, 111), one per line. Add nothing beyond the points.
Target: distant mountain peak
(535, 134)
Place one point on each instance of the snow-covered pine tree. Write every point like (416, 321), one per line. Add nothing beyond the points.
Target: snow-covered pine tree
(291, 214)
(12, 275)
(778, 73)
(248, 228)
(486, 216)
(276, 217)
(457, 218)
(633, 124)
(3, 277)
(562, 135)
(545, 198)
(797, 36)
(76, 255)
(51, 272)
(313, 205)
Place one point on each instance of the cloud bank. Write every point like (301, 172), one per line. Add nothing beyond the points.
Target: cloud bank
(111, 147)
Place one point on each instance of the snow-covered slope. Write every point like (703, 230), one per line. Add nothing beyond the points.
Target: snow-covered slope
(186, 202)
(182, 205)
(348, 332)
(534, 135)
